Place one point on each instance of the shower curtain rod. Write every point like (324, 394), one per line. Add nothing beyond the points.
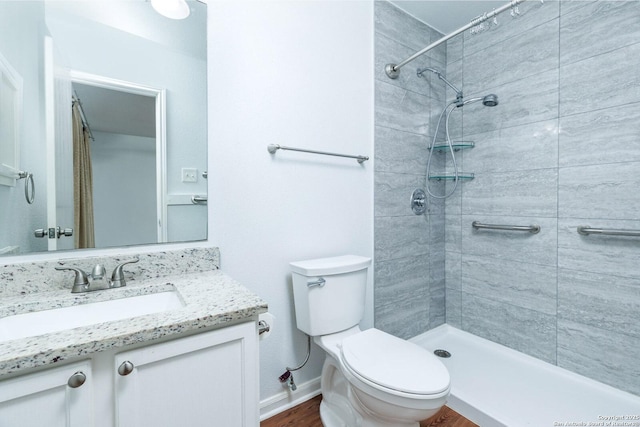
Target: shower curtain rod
(83, 117)
(393, 70)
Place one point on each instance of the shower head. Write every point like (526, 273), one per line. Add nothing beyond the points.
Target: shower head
(490, 100)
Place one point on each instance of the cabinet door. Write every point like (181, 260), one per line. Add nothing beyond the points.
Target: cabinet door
(209, 379)
(50, 398)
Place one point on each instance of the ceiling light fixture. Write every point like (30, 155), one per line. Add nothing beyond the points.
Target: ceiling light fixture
(174, 9)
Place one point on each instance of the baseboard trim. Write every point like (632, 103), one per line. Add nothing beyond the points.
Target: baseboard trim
(288, 399)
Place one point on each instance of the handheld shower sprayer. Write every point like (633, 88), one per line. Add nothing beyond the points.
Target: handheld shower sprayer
(490, 100)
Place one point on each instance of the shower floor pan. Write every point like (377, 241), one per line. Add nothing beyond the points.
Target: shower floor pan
(495, 386)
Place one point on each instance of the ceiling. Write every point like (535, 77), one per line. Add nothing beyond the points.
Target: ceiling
(447, 16)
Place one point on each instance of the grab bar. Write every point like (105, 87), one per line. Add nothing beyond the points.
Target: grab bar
(272, 148)
(533, 229)
(585, 230)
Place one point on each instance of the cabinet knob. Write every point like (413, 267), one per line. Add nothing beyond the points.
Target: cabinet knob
(77, 379)
(125, 368)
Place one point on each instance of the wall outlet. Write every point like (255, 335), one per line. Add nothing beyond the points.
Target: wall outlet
(189, 175)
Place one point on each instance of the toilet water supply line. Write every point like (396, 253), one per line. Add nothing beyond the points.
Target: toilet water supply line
(287, 377)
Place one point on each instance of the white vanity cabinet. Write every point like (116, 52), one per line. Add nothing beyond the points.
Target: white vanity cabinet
(56, 397)
(209, 379)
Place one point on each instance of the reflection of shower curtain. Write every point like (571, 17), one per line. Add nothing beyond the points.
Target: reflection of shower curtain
(82, 184)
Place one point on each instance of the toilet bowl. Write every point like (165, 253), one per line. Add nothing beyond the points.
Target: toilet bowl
(369, 378)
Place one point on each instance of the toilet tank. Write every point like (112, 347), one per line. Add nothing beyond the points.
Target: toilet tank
(329, 293)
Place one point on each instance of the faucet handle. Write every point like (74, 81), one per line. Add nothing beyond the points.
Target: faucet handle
(81, 281)
(117, 277)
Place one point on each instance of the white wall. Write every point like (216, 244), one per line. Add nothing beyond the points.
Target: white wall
(297, 74)
(22, 45)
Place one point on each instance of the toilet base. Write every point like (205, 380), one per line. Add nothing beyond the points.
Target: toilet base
(341, 406)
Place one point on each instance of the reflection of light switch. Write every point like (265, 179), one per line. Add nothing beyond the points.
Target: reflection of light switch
(189, 175)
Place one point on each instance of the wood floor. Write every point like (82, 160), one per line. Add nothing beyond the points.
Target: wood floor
(307, 414)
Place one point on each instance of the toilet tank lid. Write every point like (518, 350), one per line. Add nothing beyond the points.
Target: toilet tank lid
(333, 265)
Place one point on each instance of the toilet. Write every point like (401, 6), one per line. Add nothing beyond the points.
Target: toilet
(369, 378)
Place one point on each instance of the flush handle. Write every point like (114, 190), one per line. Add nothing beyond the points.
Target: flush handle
(125, 368)
(77, 379)
(319, 283)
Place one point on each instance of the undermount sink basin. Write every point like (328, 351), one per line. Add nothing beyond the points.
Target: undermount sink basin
(58, 319)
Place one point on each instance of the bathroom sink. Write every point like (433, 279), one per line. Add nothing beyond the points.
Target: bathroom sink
(58, 319)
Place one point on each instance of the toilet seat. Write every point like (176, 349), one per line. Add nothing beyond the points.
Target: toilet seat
(394, 365)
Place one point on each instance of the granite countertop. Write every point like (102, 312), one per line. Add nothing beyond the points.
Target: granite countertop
(211, 299)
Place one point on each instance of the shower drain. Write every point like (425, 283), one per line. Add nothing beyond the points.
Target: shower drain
(442, 353)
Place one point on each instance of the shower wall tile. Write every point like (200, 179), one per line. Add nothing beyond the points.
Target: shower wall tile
(601, 301)
(570, 6)
(453, 233)
(453, 270)
(606, 356)
(532, 14)
(582, 37)
(512, 59)
(453, 307)
(400, 152)
(393, 191)
(437, 309)
(453, 288)
(529, 100)
(600, 191)
(455, 49)
(409, 250)
(453, 204)
(397, 25)
(435, 207)
(400, 109)
(528, 331)
(524, 247)
(387, 51)
(519, 148)
(402, 296)
(401, 237)
(583, 88)
(527, 285)
(601, 136)
(454, 74)
(439, 53)
(517, 193)
(606, 255)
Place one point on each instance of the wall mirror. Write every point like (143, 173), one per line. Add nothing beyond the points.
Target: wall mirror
(111, 125)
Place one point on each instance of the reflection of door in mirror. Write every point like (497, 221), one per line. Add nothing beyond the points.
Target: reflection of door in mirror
(123, 159)
(118, 183)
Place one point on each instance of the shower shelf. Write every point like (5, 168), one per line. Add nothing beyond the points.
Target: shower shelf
(457, 146)
(450, 177)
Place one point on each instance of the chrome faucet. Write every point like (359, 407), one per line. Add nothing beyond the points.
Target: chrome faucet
(96, 280)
